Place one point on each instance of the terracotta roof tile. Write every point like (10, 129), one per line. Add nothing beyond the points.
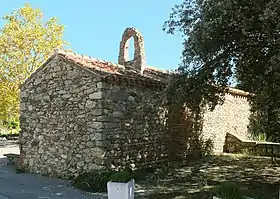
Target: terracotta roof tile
(238, 92)
(92, 63)
(156, 70)
(110, 71)
(105, 66)
(150, 75)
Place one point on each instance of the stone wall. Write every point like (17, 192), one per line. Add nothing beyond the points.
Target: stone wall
(73, 121)
(137, 129)
(234, 144)
(231, 117)
(60, 113)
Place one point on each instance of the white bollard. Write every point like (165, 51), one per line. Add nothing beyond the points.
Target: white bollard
(118, 190)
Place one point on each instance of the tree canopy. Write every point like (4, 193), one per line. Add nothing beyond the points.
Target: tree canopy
(229, 40)
(26, 41)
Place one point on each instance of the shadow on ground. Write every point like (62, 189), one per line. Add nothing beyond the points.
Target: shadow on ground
(255, 175)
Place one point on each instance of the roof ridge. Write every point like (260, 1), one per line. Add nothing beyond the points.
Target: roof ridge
(87, 58)
(155, 69)
(236, 91)
(115, 68)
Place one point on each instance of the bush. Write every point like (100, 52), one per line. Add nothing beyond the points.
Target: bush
(121, 176)
(12, 123)
(9, 128)
(94, 181)
(229, 191)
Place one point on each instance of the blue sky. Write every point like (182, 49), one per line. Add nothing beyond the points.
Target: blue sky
(94, 27)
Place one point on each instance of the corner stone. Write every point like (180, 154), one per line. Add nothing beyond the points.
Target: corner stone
(96, 95)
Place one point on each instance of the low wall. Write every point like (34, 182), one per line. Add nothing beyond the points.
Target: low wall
(234, 144)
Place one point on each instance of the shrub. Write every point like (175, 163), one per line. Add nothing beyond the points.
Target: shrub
(12, 123)
(121, 176)
(20, 169)
(94, 181)
(229, 191)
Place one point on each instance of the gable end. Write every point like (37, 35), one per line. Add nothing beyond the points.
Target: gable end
(36, 72)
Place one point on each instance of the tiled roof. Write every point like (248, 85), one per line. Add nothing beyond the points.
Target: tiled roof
(156, 70)
(92, 63)
(113, 70)
(238, 92)
(106, 67)
(150, 75)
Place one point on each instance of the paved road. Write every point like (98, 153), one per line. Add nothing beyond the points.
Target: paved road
(27, 186)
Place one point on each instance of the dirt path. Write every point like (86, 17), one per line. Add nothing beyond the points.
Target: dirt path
(255, 175)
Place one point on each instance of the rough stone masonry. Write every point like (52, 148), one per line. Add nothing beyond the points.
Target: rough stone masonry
(78, 114)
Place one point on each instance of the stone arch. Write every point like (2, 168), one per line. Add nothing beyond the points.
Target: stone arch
(139, 53)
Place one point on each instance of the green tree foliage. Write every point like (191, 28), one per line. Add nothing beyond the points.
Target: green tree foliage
(227, 39)
(26, 41)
